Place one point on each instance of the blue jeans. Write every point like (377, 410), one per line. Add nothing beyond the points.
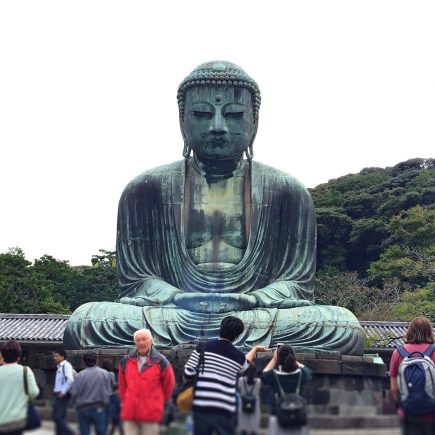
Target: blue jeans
(95, 416)
(206, 423)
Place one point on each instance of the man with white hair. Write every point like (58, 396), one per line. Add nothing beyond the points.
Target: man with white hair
(146, 381)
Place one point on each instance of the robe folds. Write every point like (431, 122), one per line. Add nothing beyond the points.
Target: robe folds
(278, 268)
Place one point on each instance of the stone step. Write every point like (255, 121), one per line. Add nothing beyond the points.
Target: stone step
(353, 421)
(356, 418)
(48, 428)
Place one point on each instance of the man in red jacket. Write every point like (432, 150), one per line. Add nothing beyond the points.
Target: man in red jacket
(146, 381)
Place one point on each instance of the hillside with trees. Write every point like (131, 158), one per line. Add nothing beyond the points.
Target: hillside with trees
(376, 252)
(376, 241)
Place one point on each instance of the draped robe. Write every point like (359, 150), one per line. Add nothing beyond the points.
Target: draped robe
(278, 268)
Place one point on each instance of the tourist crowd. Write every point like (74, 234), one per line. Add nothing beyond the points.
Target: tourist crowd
(220, 388)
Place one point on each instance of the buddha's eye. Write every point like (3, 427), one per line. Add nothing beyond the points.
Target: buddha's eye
(234, 111)
(201, 115)
(233, 115)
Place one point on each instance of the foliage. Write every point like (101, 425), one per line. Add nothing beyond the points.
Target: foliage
(348, 290)
(376, 240)
(53, 286)
(417, 303)
(354, 211)
(333, 230)
(101, 278)
(409, 254)
(23, 291)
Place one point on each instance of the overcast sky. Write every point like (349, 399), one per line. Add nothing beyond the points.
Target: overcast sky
(88, 98)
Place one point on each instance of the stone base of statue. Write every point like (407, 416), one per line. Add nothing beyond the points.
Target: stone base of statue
(346, 391)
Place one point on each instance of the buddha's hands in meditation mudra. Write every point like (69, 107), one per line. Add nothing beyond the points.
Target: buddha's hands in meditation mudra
(212, 302)
(215, 302)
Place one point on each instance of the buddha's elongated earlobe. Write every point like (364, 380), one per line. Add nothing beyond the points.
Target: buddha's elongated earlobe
(249, 150)
(186, 150)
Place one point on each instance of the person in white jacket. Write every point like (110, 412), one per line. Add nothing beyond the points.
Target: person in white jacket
(13, 398)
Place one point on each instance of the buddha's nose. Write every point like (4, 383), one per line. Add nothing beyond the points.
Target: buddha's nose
(218, 123)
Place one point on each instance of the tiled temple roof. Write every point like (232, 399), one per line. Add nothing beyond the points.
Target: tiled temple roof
(50, 328)
(33, 327)
(384, 334)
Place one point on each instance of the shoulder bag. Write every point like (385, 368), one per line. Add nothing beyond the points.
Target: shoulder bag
(33, 420)
(184, 396)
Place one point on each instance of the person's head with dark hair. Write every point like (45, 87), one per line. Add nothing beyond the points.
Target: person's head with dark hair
(231, 328)
(251, 373)
(286, 359)
(11, 352)
(61, 352)
(420, 331)
(90, 358)
(107, 364)
(59, 356)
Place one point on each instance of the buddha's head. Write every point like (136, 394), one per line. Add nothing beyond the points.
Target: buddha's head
(218, 104)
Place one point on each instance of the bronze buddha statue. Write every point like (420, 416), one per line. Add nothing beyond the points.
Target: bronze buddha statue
(216, 234)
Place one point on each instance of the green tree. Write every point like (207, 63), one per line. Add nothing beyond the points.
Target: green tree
(417, 303)
(23, 292)
(365, 241)
(409, 256)
(102, 278)
(367, 201)
(333, 229)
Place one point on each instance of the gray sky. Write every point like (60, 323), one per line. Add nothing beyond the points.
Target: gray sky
(88, 98)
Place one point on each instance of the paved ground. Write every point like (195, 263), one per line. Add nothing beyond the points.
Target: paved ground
(47, 429)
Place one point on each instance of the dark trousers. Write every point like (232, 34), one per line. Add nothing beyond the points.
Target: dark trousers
(113, 411)
(207, 423)
(60, 406)
(418, 426)
(95, 417)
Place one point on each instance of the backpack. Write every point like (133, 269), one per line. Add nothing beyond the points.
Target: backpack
(416, 381)
(248, 399)
(74, 372)
(291, 408)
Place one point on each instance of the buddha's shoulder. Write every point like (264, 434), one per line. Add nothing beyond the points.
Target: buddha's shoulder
(154, 177)
(277, 176)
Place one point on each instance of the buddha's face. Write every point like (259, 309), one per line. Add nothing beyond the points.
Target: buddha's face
(218, 121)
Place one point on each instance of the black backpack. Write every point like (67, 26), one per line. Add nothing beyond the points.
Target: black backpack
(291, 408)
(248, 399)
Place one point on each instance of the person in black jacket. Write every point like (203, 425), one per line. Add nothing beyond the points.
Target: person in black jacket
(284, 369)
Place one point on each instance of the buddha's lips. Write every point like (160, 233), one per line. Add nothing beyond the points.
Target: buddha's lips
(218, 141)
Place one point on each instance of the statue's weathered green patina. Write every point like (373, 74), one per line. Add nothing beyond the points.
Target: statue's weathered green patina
(216, 234)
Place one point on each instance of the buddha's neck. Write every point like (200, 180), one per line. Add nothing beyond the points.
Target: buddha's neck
(215, 170)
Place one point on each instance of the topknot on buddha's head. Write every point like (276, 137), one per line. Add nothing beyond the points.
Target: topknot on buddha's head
(219, 73)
